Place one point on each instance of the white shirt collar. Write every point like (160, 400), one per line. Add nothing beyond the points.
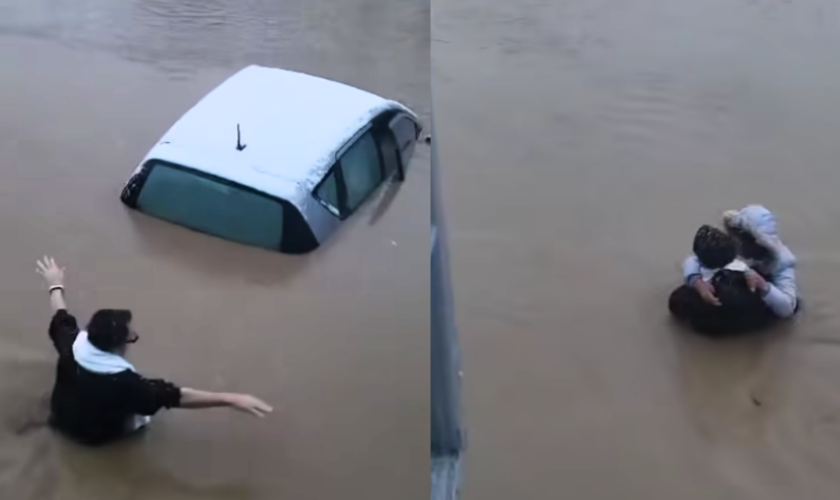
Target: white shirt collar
(95, 360)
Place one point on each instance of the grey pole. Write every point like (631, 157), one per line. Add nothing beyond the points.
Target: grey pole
(447, 433)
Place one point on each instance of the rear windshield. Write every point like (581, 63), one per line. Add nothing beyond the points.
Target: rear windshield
(212, 206)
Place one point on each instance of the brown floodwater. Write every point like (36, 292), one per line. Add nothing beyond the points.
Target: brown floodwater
(583, 142)
(337, 340)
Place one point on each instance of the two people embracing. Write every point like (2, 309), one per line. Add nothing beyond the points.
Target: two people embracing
(739, 278)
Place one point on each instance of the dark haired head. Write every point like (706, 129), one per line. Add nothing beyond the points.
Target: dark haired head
(714, 248)
(109, 329)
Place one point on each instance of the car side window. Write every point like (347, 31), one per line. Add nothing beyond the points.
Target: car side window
(328, 191)
(358, 172)
(405, 132)
(361, 170)
(390, 153)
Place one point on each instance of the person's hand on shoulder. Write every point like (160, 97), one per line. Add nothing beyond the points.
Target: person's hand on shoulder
(706, 290)
(756, 282)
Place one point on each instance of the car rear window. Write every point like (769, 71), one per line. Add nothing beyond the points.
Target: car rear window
(212, 206)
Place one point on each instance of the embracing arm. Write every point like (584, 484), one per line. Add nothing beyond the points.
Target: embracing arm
(690, 268)
(782, 294)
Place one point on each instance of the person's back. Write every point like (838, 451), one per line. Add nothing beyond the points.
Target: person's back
(741, 309)
(97, 396)
(88, 406)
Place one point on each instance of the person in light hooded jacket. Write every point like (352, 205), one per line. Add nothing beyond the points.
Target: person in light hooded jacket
(772, 265)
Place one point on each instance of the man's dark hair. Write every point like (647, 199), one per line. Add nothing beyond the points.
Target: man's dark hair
(108, 329)
(714, 248)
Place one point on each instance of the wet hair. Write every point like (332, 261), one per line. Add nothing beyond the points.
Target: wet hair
(714, 248)
(108, 329)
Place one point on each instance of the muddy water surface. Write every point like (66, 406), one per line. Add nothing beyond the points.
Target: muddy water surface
(336, 340)
(582, 148)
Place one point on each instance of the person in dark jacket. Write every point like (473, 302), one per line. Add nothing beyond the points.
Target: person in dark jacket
(98, 396)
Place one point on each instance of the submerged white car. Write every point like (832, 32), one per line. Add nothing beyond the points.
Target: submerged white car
(274, 159)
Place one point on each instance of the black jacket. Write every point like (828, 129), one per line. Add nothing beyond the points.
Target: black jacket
(96, 408)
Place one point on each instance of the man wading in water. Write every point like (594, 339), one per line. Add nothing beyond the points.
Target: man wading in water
(98, 396)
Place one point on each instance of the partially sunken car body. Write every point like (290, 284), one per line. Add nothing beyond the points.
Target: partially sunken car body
(275, 159)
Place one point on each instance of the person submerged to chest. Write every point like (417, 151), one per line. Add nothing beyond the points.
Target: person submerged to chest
(98, 396)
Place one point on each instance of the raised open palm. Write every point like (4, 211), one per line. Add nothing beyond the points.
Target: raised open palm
(52, 273)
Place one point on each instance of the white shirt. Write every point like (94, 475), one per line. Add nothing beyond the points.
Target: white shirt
(736, 265)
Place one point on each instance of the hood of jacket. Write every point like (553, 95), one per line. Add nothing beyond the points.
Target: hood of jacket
(761, 224)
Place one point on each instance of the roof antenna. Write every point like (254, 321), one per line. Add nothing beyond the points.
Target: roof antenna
(239, 145)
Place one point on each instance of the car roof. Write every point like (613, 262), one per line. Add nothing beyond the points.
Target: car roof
(292, 124)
